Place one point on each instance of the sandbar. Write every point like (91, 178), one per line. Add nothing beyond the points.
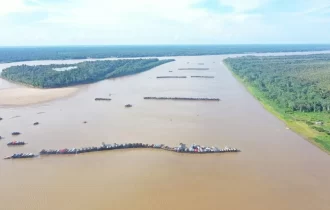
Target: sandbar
(26, 96)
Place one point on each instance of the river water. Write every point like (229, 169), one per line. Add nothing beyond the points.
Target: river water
(277, 169)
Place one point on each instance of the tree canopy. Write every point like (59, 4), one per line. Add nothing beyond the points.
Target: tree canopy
(45, 76)
(296, 87)
(13, 54)
(297, 83)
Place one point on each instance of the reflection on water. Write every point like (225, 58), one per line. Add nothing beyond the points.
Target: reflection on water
(276, 169)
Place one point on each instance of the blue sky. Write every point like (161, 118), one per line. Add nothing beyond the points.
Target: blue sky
(106, 22)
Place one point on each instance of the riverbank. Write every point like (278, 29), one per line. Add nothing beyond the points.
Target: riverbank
(300, 127)
(26, 96)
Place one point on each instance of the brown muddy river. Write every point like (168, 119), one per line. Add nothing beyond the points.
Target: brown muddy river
(276, 170)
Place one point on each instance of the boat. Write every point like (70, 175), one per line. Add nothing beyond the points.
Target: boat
(15, 133)
(102, 99)
(128, 105)
(36, 123)
(182, 148)
(16, 143)
(21, 155)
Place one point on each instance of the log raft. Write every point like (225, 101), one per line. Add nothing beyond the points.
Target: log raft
(182, 98)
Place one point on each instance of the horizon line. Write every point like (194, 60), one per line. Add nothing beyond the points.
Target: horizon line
(151, 45)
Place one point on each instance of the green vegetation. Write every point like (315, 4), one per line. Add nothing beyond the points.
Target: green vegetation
(45, 76)
(294, 88)
(13, 54)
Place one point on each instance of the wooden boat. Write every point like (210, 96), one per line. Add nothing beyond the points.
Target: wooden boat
(16, 143)
(102, 99)
(182, 148)
(21, 155)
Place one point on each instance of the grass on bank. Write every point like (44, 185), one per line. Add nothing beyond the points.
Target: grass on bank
(301, 123)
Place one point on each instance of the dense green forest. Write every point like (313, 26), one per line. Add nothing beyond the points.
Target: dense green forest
(12, 54)
(45, 76)
(297, 88)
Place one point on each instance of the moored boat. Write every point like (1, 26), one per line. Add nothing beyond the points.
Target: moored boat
(15, 133)
(16, 143)
(182, 148)
(21, 155)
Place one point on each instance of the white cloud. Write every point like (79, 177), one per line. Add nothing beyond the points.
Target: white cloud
(243, 5)
(129, 22)
(14, 6)
(144, 22)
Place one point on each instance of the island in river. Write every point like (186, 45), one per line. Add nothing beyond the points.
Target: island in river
(52, 76)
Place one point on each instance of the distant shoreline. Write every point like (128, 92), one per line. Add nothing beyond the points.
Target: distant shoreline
(28, 53)
(11, 101)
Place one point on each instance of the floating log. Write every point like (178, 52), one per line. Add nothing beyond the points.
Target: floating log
(202, 76)
(102, 99)
(166, 77)
(16, 143)
(15, 133)
(182, 98)
(199, 69)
